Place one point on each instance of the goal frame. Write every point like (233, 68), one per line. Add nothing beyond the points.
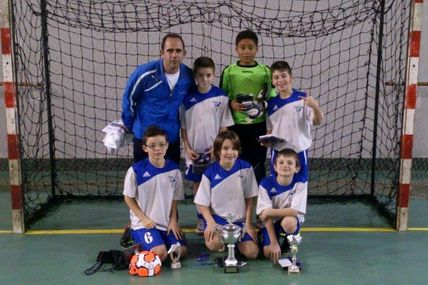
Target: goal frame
(13, 134)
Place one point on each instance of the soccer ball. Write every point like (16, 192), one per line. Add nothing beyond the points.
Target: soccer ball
(145, 264)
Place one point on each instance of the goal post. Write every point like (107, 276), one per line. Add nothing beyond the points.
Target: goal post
(406, 153)
(72, 59)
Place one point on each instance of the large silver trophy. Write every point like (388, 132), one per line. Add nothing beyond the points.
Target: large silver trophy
(175, 253)
(294, 241)
(231, 234)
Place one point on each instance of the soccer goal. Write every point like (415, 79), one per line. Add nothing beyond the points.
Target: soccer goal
(71, 61)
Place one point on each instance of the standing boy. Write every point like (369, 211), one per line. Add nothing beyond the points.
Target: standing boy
(247, 84)
(290, 115)
(152, 188)
(205, 112)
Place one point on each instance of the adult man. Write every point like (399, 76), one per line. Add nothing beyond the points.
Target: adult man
(154, 93)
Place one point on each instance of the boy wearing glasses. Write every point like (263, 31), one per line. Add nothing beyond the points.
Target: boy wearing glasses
(152, 189)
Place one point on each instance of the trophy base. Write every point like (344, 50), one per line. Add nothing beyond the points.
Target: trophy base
(293, 270)
(231, 269)
(175, 265)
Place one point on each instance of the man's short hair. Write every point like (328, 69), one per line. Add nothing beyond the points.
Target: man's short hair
(203, 62)
(171, 35)
(247, 34)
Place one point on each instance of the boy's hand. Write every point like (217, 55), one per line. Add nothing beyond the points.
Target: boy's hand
(265, 214)
(210, 152)
(210, 231)
(173, 226)
(266, 144)
(192, 154)
(310, 102)
(236, 106)
(148, 223)
(273, 251)
(249, 229)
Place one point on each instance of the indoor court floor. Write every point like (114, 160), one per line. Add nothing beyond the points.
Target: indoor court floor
(342, 244)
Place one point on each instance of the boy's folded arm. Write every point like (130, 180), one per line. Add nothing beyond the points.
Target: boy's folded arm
(283, 212)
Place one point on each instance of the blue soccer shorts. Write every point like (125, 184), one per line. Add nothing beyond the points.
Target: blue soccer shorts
(278, 230)
(149, 238)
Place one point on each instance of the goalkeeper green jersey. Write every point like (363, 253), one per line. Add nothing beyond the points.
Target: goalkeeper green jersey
(248, 85)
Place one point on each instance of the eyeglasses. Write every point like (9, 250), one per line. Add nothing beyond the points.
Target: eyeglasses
(154, 146)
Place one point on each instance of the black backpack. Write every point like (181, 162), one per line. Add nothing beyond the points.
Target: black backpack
(118, 259)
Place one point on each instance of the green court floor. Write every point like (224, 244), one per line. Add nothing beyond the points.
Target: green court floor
(342, 244)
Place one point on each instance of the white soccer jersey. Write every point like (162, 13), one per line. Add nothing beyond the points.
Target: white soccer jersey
(291, 120)
(225, 191)
(202, 115)
(276, 196)
(154, 189)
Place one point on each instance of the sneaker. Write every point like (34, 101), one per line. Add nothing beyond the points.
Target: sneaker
(200, 227)
(126, 240)
(285, 246)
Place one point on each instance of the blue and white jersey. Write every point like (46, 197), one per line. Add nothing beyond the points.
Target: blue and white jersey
(291, 120)
(154, 189)
(276, 196)
(202, 115)
(225, 191)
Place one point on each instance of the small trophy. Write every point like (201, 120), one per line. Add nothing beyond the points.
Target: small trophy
(175, 253)
(294, 241)
(230, 233)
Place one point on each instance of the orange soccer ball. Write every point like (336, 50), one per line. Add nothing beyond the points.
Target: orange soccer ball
(145, 264)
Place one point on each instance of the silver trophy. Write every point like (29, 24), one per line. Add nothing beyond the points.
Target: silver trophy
(294, 241)
(231, 234)
(175, 253)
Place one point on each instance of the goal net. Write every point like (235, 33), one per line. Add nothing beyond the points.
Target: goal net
(72, 60)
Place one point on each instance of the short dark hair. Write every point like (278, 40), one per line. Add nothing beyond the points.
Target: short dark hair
(153, 131)
(202, 62)
(281, 66)
(172, 35)
(219, 140)
(288, 152)
(247, 34)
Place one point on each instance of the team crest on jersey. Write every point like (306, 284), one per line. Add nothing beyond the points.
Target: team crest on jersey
(172, 181)
(273, 191)
(298, 108)
(193, 100)
(275, 107)
(217, 104)
(146, 174)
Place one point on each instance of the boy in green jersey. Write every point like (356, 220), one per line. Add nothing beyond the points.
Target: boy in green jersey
(247, 84)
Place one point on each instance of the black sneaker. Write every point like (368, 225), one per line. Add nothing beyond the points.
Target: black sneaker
(285, 247)
(126, 240)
